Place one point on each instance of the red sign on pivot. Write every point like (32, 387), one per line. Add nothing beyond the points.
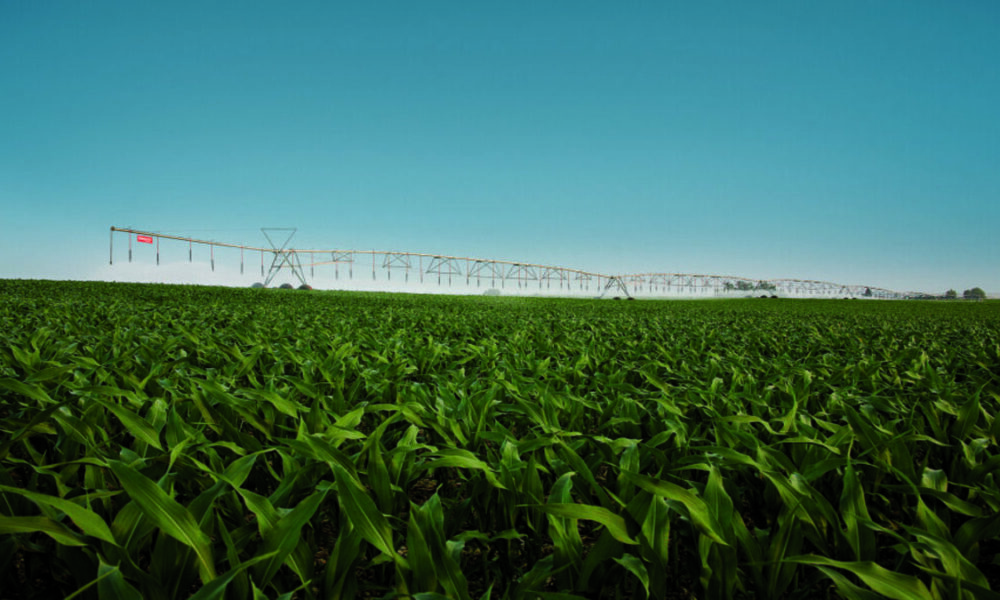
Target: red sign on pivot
(145, 239)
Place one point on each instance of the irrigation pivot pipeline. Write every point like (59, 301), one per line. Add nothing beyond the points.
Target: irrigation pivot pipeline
(421, 272)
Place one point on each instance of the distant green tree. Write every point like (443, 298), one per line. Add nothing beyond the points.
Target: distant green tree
(974, 294)
(951, 294)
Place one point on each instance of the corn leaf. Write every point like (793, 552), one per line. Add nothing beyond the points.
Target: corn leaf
(615, 524)
(172, 518)
(888, 583)
(363, 514)
(699, 512)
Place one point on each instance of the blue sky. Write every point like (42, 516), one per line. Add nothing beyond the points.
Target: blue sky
(855, 142)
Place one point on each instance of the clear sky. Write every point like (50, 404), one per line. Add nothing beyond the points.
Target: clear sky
(850, 141)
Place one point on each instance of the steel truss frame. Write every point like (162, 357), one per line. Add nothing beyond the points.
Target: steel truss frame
(448, 268)
(284, 257)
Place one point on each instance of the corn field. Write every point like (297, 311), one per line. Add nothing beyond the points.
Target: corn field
(169, 442)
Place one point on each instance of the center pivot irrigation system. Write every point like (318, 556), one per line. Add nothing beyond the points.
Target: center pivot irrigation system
(523, 278)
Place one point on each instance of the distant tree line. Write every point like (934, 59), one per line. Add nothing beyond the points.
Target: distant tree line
(975, 293)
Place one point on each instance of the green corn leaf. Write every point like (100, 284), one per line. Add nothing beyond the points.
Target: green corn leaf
(201, 401)
(533, 579)
(847, 588)
(976, 530)
(955, 564)
(888, 583)
(49, 374)
(444, 556)
(935, 479)
(111, 584)
(284, 405)
(39, 420)
(580, 466)
(283, 538)
(238, 470)
(615, 524)
(364, 515)
(752, 546)
(854, 511)
(316, 447)
(339, 576)
(53, 529)
(930, 520)
(954, 503)
(261, 507)
(868, 435)
(130, 527)
(700, 514)
(216, 589)
(87, 520)
(378, 473)
(656, 529)
(989, 465)
(800, 503)
(968, 414)
(718, 502)
(136, 425)
(35, 392)
(963, 587)
(420, 556)
(258, 594)
(463, 459)
(169, 515)
(352, 419)
(637, 568)
(564, 532)
(232, 555)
